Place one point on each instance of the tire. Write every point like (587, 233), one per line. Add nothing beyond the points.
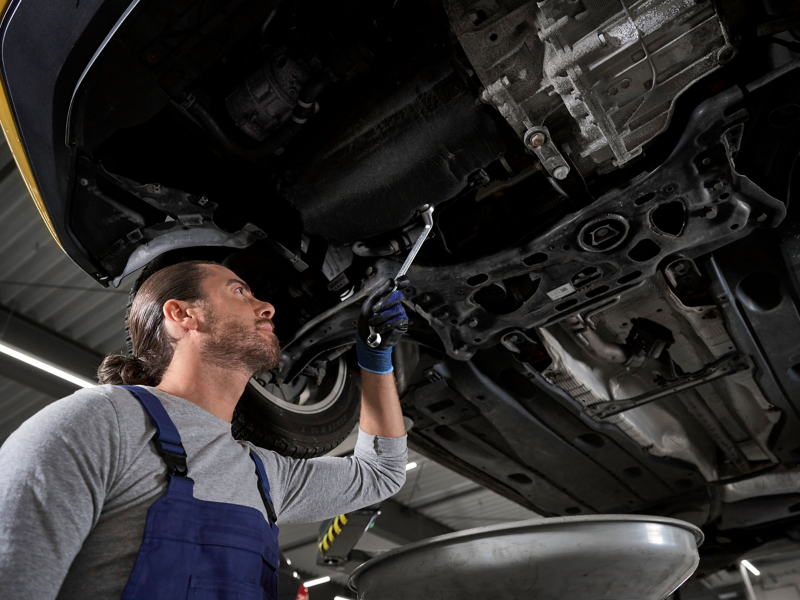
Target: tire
(273, 418)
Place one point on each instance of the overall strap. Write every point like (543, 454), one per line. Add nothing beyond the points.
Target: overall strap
(167, 440)
(263, 488)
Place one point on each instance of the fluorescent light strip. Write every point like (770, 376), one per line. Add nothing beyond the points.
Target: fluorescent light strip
(751, 568)
(313, 582)
(340, 598)
(411, 465)
(35, 362)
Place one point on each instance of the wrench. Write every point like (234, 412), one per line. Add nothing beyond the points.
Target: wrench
(426, 212)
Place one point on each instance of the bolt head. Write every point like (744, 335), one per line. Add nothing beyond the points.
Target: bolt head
(505, 81)
(537, 139)
(561, 172)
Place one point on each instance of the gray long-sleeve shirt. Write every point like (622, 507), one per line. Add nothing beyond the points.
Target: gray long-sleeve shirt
(77, 478)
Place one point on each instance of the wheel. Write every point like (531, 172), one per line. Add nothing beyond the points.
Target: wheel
(306, 418)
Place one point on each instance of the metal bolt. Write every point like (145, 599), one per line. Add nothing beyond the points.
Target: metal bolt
(505, 81)
(711, 213)
(719, 185)
(426, 298)
(476, 17)
(761, 217)
(473, 322)
(561, 172)
(84, 181)
(203, 201)
(706, 161)
(602, 38)
(371, 272)
(537, 139)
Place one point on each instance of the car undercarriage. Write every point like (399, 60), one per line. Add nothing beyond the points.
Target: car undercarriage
(604, 317)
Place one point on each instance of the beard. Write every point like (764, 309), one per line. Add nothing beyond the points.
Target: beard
(231, 344)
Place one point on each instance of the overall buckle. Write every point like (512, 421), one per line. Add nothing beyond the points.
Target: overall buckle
(176, 463)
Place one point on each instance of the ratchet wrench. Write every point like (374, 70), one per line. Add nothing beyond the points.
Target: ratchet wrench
(426, 212)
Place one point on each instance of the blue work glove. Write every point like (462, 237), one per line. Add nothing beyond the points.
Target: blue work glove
(383, 312)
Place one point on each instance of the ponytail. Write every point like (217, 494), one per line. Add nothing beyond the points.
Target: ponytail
(118, 369)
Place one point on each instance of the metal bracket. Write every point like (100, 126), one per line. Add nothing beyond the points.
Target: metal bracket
(538, 140)
(722, 367)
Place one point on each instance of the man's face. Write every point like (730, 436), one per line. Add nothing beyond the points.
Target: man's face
(238, 327)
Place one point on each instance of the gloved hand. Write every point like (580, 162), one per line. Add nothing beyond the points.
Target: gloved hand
(384, 312)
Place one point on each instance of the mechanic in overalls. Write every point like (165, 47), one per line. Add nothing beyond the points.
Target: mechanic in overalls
(140, 490)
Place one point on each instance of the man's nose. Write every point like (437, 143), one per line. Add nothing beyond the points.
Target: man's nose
(265, 310)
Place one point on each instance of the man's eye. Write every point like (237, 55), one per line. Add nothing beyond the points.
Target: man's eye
(240, 289)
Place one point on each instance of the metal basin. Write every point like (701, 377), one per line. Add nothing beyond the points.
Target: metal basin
(608, 557)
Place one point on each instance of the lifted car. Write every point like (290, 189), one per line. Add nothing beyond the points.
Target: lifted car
(604, 318)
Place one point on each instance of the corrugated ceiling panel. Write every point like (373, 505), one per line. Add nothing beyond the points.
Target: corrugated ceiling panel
(39, 281)
(17, 404)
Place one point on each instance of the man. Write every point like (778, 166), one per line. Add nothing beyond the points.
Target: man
(141, 491)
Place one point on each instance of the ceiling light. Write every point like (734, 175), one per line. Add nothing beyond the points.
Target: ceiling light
(288, 562)
(35, 362)
(295, 575)
(751, 568)
(308, 584)
(411, 465)
(340, 598)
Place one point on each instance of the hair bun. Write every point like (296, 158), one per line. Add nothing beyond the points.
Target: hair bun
(119, 369)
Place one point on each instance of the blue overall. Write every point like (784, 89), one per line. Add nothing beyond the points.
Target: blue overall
(196, 549)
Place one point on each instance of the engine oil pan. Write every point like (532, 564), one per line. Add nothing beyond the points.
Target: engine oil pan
(605, 557)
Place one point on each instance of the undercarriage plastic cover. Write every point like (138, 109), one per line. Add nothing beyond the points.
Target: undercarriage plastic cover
(416, 146)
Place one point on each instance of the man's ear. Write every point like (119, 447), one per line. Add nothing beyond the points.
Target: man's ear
(180, 314)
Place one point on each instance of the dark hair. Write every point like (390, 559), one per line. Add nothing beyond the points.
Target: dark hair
(152, 346)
